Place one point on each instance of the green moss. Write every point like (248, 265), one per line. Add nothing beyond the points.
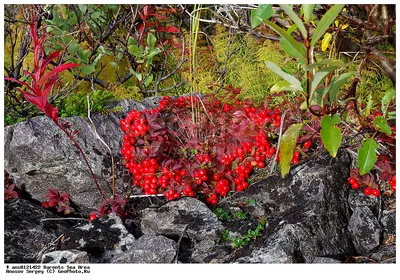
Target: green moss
(76, 103)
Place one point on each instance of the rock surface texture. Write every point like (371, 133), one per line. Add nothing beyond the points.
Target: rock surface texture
(311, 216)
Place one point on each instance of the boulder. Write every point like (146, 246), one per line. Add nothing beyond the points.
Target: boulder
(186, 217)
(365, 230)
(38, 155)
(26, 235)
(388, 221)
(102, 238)
(148, 249)
(307, 213)
(67, 256)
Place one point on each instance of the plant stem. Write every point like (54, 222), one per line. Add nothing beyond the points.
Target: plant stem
(83, 156)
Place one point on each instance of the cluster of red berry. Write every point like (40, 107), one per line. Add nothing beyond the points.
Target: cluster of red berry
(371, 191)
(214, 169)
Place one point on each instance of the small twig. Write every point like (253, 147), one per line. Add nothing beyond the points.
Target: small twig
(105, 144)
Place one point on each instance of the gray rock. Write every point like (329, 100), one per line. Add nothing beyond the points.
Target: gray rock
(38, 155)
(307, 213)
(325, 260)
(208, 251)
(148, 249)
(187, 217)
(365, 230)
(388, 221)
(67, 256)
(358, 199)
(103, 238)
(26, 236)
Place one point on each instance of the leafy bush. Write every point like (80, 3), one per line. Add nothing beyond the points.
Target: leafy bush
(199, 146)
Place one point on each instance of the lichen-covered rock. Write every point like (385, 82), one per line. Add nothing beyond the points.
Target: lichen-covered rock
(26, 235)
(307, 211)
(187, 217)
(67, 256)
(358, 199)
(365, 230)
(103, 238)
(385, 253)
(38, 155)
(388, 221)
(208, 251)
(148, 249)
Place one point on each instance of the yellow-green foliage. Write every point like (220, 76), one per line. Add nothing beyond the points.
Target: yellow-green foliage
(245, 68)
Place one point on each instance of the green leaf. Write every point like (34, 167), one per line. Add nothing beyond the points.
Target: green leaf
(152, 53)
(284, 86)
(326, 62)
(136, 51)
(96, 15)
(325, 22)
(288, 143)
(292, 28)
(263, 12)
(330, 134)
(369, 105)
(132, 41)
(337, 84)
(149, 80)
(386, 99)
(381, 123)
(73, 48)
(83, 8)
(83, 55)
(290, 51)
(294, 17)
(291, 41)
(151, 40)
(307, 11)
(89, 69)
(319, 76)
(367, 155)
(287, 77)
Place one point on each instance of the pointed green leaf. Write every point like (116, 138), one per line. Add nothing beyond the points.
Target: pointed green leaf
(89, 69)
(367, 155)
(290, 51)
(325, 22)
(284, 86)
(149, 80)
(295, 18)
(307, 11)
(289, 78)
(330, 134)
(292, 28)
(292, 42)
(326, 62)
(337, 84)
(263, 12)
(319, 76)
(381, 123)
(83, 55)
(386, 99)
(369, 105)
(288, 143)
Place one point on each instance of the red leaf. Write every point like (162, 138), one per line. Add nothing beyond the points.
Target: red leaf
(169, 29)
(56, 71)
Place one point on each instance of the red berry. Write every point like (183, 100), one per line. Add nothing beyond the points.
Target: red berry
(351, 180)
(216, 177)
(376, 192)
(92, 217)
(307, 144)
(354, 185)
(367, 191)
(260, 164)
